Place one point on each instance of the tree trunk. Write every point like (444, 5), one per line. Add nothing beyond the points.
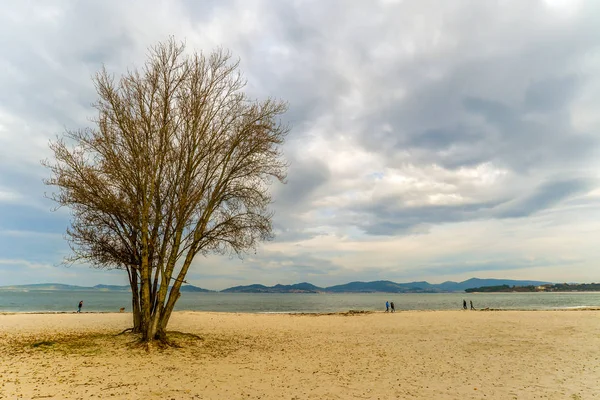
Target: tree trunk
(135, 303)
(174, 294)
(153, 324)
(166, 315)
(137, 316)
(146, 302)
(145, 305)
(135, 299)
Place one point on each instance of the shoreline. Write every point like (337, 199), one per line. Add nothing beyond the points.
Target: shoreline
(299, 313)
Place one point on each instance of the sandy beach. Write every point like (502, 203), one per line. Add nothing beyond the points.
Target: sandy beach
(406, 355)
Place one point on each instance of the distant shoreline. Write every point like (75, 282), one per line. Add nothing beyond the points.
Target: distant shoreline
(299, 313)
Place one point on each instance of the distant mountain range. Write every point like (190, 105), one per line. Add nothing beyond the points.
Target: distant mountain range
(381, 287)
(305, 287)
(102, 288)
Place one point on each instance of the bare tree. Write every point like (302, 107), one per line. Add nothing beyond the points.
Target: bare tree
(179, 164)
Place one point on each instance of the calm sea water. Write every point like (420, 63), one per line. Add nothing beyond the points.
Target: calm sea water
(97, 301)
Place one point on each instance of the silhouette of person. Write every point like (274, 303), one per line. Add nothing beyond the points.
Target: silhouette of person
(387, 306)
(471, 301)
(79, 306)
(392, 306)
(464, 304)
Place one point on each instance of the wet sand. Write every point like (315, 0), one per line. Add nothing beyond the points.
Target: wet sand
(405, 355)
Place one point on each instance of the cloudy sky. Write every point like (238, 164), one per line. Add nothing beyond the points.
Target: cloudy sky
(431, 140)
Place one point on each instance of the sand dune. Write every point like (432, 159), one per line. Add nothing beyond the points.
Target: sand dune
(406, 355)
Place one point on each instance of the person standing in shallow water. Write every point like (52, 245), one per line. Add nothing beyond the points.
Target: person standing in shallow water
(79, 306)
(464, 304)
(387, 306)
(392, 306)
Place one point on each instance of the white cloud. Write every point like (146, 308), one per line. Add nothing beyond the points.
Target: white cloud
(9, 197)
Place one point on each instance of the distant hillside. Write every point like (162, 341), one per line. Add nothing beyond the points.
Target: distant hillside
(191, 288)
(306, 286)
(384, 287)
(104, 288)
(256, 288)
(380, 287)
(352, 287)
(45, 286)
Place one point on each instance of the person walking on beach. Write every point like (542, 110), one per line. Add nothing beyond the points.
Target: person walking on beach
(471, 301)
(79, 306)
(392, 306)
(387, 306)
(464, 304)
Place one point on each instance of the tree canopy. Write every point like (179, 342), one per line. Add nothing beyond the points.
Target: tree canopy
(179, 163)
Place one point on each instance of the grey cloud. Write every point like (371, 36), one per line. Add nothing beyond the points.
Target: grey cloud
(551, 94)
(304, 177)
(388, 217)
(530, 76)
(202, 11)
(385, 218)
(524, 144)
(494, 112)
(290, 201)
(545, 196)
(438, 139)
